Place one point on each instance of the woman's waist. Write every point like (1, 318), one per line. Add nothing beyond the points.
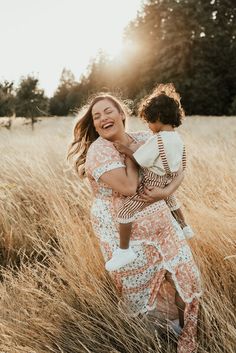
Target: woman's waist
(105, 193)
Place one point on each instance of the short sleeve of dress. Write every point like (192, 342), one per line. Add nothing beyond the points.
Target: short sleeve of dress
(147, 154)
(102, 157)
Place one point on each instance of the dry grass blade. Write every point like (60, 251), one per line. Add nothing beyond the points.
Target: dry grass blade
(54, 293)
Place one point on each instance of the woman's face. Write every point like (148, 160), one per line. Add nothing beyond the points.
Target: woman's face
(107, 120)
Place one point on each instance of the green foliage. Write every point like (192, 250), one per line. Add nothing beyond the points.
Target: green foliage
(7, 99)
(190, 43)
(30, 100)
(232, 109)
(67, 96)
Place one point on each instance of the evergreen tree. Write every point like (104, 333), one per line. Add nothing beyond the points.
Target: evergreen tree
(7, 99)
(30, 100)
(67, 96)
(191, 43)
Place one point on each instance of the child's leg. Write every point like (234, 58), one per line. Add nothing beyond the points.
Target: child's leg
(124, 254)
(178, 215)
(187, 230)
(125, 232)
(173, 204)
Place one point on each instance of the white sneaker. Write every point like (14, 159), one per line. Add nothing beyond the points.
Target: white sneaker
(188, 232)
(120, 258)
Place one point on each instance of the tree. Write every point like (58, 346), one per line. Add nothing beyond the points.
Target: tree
(191, 43)
(30, 100)
(67, 96)
(7, 99)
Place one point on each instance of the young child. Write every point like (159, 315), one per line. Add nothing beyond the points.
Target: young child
(160, 158)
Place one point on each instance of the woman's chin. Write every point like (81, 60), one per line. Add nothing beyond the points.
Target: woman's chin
(109, 135)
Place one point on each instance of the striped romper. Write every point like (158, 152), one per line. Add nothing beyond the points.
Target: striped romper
(131, 206)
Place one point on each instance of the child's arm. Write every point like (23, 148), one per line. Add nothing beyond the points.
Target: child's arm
(128, 151)
(123, 149)
(178, 215)
(153, 194)
(172, 202)
(143, 155)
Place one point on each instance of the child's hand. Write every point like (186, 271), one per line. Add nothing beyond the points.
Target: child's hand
(121, 148)
(134, 146)
(152, 194)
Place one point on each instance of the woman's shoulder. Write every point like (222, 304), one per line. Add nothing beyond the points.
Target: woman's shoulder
(102, 156)
(102, 150)
(141, 136)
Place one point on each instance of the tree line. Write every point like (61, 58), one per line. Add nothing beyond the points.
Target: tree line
(191, 43)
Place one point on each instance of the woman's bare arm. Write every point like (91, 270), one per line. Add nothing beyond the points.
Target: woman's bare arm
(122, 180)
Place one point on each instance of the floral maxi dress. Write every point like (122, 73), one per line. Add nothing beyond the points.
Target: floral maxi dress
(156, 238)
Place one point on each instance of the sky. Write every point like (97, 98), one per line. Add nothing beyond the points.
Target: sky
(41, 37)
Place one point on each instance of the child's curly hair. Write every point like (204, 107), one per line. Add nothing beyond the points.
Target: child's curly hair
(163, 104)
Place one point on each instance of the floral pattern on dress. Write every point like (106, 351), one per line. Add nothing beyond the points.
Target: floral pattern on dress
(156, 238)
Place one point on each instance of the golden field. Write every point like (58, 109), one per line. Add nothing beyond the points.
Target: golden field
(54, 293)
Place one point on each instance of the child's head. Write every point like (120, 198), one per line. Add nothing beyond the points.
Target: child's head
(162, 107)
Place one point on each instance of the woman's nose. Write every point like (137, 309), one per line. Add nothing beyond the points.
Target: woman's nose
(103, 117)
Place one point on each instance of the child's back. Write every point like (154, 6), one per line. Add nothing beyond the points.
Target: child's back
(162, 147)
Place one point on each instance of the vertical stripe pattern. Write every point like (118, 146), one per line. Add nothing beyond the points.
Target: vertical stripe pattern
(131, 204)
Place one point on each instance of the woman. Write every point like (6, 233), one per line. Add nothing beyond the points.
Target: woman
(163, 253)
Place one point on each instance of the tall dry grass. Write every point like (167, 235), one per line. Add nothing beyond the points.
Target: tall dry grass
(54, 293)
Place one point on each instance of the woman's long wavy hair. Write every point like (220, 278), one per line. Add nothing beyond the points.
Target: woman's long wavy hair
(84, 130)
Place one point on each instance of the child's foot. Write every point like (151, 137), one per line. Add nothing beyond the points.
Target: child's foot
(120, 258)
(188, 232)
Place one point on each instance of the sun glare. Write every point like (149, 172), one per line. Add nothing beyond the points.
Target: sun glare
(108, 19)
(52, 35)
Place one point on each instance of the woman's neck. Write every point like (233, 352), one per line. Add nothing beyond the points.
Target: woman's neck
(123, 138)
